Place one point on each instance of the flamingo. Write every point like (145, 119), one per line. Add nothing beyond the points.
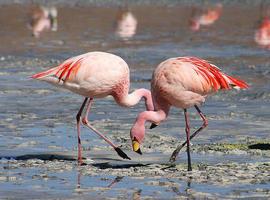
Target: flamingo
(205, 17)
(182, 82)
(43, 18)
(126, 24)
(96, 75)
(262, 34)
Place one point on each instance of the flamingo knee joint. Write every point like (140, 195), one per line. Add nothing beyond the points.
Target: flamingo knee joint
(84, 121)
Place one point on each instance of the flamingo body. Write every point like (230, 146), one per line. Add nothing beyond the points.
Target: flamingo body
(43, 19)
(126, 25)
(96, 75)
(205, 18)
(186, 81)
(182, 82)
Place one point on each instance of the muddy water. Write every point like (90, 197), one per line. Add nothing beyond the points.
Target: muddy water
(39, 120)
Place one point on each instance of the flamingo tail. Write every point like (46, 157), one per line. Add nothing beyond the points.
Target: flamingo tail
(63, 72)
(43, 75)
(236, 83)
(48, 76)
(214, 76)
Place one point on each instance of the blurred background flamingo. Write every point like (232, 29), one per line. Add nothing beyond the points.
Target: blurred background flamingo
(43, 19)
(182, 82)
(262, 33)
(204, 16)
(96, 75)
(126, 23)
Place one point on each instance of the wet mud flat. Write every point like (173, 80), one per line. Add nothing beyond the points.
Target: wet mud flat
(221, 171)
(37, 121)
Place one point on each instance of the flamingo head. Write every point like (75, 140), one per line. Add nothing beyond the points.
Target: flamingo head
(137, 133)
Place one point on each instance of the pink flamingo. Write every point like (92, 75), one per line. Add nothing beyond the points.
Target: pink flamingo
(262, 34)
(96, 75)
(182, 82)
(126, 24)
(43, 19)
(205, 17)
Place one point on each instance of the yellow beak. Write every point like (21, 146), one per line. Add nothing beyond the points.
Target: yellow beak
(136, 147)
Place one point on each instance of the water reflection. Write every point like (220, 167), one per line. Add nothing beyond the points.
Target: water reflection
(137, 195)
(115, 181)
(126, 24)
(79, 175)
(131, 185)
(186, 191)
(204, 16)
(262, 33)
(43, 19)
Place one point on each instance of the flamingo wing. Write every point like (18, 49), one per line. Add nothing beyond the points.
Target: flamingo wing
(68, 68)
(213, 75)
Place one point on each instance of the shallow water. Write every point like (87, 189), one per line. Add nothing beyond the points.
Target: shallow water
(38, 118)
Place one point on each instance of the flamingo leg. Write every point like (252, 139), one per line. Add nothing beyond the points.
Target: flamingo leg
(78, 118)
(88, 125)
(205, 123)
(188, 139)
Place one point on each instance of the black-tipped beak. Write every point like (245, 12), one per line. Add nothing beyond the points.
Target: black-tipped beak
(136, 146)
(139, 151)
(153, 126)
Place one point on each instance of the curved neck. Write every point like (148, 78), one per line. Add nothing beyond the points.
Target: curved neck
(138, 129)
(133, 98)
(152, 116)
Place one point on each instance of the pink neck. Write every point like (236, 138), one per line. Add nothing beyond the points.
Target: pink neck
(132, 99)
(138, 129)
(152, 116)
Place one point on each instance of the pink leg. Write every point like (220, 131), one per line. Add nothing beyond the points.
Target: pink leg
(205, 123)
(188, 139)
(78, 118)
(87, 124)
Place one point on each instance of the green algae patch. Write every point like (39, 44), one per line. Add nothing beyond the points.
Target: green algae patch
(228, 147)
(254, 147)
(223, 147)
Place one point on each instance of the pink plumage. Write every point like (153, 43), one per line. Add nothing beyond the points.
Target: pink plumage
(205, 17)
(96, 75)
(262, 34)
(185, 81)
(182, 82)
(43, 19)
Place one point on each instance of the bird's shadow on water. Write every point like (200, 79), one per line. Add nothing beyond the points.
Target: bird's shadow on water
(118, 166)
(44, 157)
(101, 162)
(260, 146)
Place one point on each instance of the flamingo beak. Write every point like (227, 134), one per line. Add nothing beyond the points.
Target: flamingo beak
(136, 146)
(153, 126)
